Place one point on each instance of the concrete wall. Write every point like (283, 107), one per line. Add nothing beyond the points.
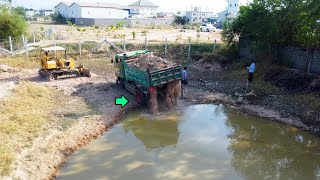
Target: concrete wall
(302, 58)
(128, 22)
(296, 57)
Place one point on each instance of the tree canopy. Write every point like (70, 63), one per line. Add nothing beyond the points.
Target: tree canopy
(284, 22)
(11, 24)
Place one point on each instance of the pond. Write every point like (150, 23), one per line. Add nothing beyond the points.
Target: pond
(203, 142)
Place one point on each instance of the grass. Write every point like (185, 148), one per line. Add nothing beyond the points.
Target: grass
(308, 101)
(6, 158)
(20, 62)
(31, 111)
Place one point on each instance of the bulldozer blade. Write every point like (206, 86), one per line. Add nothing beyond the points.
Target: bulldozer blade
(85, 72)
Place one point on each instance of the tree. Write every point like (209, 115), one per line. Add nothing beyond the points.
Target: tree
(284, 22)
(11, 24)
(20, 11)
(179, 20)
(58, 18)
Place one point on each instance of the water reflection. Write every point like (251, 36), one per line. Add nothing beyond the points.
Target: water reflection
(206, 142)
(264, 150)
(152, 133)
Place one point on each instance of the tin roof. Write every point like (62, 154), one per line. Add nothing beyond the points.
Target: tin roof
(144, 3)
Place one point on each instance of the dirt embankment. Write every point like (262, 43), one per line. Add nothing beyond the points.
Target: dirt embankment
(41, 157)
(297, 108)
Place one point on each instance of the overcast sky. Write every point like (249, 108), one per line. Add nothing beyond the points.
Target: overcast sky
(164, 5)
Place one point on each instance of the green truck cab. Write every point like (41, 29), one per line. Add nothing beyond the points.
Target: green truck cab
(142, 82)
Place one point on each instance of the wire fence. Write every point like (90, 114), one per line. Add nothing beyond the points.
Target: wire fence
(167, 47)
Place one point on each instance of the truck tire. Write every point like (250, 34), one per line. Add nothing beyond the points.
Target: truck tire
(121, 83)
(141, 97)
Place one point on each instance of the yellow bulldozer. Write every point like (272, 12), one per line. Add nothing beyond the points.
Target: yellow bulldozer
(53, 67)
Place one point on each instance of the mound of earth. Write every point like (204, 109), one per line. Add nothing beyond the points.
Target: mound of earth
(215, 58)
(203, 65)
(291, 80)
(5, 68)
(145, 61)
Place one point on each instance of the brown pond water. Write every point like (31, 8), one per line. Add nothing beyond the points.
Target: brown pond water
(204, 142)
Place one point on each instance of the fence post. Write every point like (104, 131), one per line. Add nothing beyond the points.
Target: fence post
(80, 48)
(166, 47)
(25, 45)
(124, 44)
(189, 50)
(10, 42)
(34, 38)
(145, 43)
(214, 44)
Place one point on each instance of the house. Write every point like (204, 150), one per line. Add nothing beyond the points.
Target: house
(63, 8)
(165, 15)
(30, 13)
(98, 11)
(232, 9)
(46, 12)
(198, 16)
(181, 13)
(143, 9)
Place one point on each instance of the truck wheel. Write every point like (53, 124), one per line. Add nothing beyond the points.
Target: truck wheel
(140, 97)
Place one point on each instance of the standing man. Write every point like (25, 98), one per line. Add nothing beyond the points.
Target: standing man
(184, 80)
(251, 71)
(184, 76)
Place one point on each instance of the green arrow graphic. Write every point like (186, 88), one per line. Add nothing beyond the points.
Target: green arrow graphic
(123, 101)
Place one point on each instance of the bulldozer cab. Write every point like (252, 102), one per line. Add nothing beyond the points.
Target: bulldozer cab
(56, 58)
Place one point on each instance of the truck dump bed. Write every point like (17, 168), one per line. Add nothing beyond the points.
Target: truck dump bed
(156, 77)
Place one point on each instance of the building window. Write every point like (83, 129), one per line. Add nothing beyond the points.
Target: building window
(88, 12)
(203, 14)
(235, 5)
(194, 14)
(72, 12)
(230, 5)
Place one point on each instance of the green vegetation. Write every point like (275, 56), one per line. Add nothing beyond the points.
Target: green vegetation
(284, 22)
(58, 18)
(11, 24)
(134, 35)
(20, 11)
(179, 20)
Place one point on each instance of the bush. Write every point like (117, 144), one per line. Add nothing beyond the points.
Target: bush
(12, 24)
(58, 18)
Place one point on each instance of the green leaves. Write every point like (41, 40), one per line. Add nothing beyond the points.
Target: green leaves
(277, 22)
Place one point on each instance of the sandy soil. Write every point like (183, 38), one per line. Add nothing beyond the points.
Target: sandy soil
(68, 35)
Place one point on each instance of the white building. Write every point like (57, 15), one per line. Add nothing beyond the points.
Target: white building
(98, 11)
(143, 9)
(198, 16)
(29, 13)
(232, 9)
(63, 8)
(46, 12)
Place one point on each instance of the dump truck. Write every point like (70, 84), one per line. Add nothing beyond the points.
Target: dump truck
(148, 83)
(53, 66)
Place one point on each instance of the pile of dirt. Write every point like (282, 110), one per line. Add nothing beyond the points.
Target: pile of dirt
(291, 80)
(207, 66)
(215, 58)
(5, 68)
(145, 61)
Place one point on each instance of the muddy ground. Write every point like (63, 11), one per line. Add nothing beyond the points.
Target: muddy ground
(99, 93)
